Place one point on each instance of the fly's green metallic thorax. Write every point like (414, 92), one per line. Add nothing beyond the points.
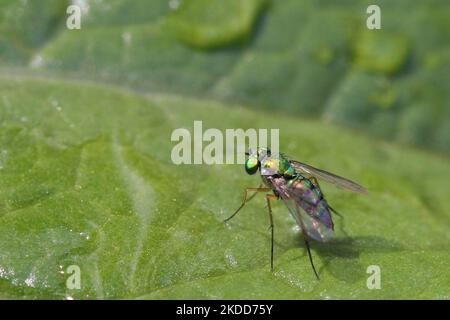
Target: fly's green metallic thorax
(273, 164)
(280, 165)
(285, 168)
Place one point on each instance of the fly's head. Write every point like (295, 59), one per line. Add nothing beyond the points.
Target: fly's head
(252, 164)
(262, 159)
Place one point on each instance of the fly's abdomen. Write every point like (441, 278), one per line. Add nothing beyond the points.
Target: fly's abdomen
(309, 198)
(306, 189)
(322, 212)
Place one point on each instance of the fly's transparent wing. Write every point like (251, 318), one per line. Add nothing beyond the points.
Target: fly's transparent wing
(328, 177)
(313, 226)
(313, 217)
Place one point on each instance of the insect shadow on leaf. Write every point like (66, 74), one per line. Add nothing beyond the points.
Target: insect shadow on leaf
(340, 256)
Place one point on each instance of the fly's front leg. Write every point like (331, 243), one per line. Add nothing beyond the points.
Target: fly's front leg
(255, 193)
(245, 200)
(268, 198)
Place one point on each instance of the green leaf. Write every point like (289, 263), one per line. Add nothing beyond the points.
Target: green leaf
(286, 55)
(381, 52)
(213, 23)
(86, 179)
(27, 25)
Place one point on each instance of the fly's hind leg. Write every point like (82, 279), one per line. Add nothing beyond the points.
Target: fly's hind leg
(335, 212)
(245, 200)
(270, 197)
(342, 218)
(305, 237)
(315, 180)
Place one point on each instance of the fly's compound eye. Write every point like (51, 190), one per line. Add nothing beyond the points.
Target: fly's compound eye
(251, 165)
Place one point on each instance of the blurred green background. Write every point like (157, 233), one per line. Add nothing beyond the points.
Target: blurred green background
(86, 117)
(314, 58)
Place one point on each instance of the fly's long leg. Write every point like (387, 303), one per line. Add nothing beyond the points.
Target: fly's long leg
(254, 194)
(315, 180)
(335, 212)
(342, 218)
(268, 198)
(305, 237)
(245, 200)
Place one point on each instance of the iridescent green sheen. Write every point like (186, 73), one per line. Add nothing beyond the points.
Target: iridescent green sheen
(286, 168)
(284, 165)
(307, 184)
(290, 172)
(251, 165)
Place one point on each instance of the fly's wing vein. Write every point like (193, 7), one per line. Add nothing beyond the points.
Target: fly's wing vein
(328, 177)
